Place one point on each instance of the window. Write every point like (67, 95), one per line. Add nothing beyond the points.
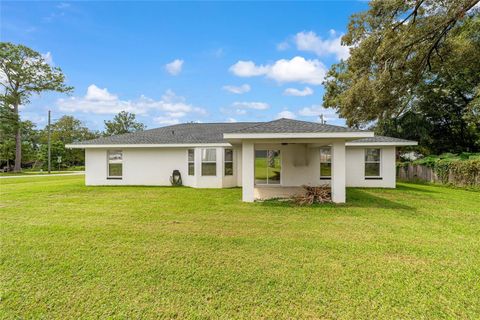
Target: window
(114, 164)
(325, 163)
(268, 166)
(191, 162)
(228, 160)
(372, 163)
(209, 162)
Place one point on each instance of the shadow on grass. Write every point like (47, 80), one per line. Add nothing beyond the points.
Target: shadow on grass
(410, 187)
(356, 198)
(361, 198)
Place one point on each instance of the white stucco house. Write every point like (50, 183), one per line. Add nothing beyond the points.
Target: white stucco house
(266, 159)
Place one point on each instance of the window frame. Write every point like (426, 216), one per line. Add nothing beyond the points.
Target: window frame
(212, 161)
(225, 161)
(325, 177)
(280, 152)
(190, 162)
(109, 177)
(379, 162)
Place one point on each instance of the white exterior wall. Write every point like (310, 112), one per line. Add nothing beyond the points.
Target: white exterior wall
(338, 172)
(300, 165)
(248, 170)
(149, 166)
(356, 167)
(154, 166)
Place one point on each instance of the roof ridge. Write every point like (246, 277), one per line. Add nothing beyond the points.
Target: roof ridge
(254, 126)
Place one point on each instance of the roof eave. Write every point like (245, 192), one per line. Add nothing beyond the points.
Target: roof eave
(381, 144)
(145, 145)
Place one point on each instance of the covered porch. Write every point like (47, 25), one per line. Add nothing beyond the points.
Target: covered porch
(279, 169)
(280, 156)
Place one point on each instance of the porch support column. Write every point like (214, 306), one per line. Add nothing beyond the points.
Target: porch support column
(248, 172)
(338, 172)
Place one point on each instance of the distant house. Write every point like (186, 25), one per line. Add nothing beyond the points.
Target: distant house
(267, 159)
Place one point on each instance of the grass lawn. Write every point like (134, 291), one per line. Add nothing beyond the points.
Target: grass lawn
(70, 251)
(33, 173)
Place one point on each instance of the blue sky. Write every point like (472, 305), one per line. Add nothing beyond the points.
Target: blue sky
(189, 61)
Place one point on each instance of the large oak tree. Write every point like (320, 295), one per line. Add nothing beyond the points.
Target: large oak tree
(413, 63)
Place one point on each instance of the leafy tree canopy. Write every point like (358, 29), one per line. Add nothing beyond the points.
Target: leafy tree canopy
(413, 68)
(123, 122)
(24, 71)
(65, 130)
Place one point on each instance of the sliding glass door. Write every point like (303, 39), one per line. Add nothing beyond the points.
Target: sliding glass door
(268, 166)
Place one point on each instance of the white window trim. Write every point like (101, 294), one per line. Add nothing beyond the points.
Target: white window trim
(379, 164)
(281, 169)
(188, 163)
(202, 162)
(225, 161)
(320, 153)
(109, 177)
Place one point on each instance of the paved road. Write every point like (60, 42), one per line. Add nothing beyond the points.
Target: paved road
(44, 175)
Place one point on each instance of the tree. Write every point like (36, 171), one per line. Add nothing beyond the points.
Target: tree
(444, 116)
(30, 143)
(66, 130)
(123, 122)
(24, 72)
(413, 66)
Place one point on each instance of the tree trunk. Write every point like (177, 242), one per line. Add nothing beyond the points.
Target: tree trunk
(18, 144)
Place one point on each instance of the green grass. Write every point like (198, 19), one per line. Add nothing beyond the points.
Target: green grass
(68, 251)
(32, 173)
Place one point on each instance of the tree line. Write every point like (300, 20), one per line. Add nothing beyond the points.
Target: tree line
(66, 130)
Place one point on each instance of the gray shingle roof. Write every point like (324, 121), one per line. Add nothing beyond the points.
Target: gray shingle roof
(293, 126)
(187, 133)
(179, 133)
(381, 139)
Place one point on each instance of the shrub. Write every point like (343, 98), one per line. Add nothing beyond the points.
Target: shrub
(460, 170)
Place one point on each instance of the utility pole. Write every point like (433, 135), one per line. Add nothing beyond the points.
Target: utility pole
(321, 119)
(49, 145)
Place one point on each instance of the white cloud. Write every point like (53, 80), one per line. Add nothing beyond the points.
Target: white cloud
(34, 117)
(298, 69)
(174, 67)
(286, 114)
(316, 111)
(247, 69)
(307, 91)
(251, 105)
(101, 101)
(309, 41)
(48, 57)
(94, 93)
(237, 89)
(231, 120)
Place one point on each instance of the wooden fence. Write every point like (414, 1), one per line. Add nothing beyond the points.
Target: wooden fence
(415, 172)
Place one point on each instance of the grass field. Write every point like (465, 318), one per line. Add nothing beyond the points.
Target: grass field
(69, 251)
(32, 173)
